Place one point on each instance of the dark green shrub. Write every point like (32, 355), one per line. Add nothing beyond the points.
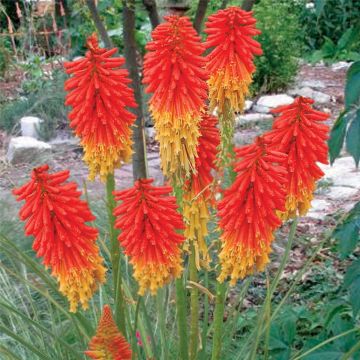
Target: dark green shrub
(328, 19)
(281, 43)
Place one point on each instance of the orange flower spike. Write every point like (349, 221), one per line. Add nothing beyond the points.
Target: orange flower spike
(148, 221)
(56, 217)
(299, 132)
(198, 194)
(230, 62)
(248, 210)
(108, 342)
(173, 72)
(99, 95)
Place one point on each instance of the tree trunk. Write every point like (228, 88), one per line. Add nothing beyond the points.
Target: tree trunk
(223, 4)
(139, 158)
(200, 14)
(99, 24)
(248, 4)
(150, 6)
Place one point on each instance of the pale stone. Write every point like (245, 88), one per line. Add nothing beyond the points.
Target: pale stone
(316, 84)
(319, 209)
(341, 192)
(317, 96)
(241, 139)
(24, 149)
(342, 173)
(340, 65)
(150, 133)
(248, 105)
(261, 109)
(252, 118)
(268, 102)
(29, 126)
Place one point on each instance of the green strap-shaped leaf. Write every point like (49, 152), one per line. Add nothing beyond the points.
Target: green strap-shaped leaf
(352, 87)
(337, 137)
(353, 137)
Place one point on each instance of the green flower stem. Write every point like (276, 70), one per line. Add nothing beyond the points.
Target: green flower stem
(160, 302)
(270, 292)
(194, 306)
(206, 317)
(218, 320)
(181, 318)
(115, 257)
(181, 305)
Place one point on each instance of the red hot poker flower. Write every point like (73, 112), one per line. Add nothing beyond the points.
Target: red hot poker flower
(56, 217)
(230, 62)
(198, 194)
(108, 342)
(148, 220)
(248, 211)
(173, 72)
(299, 132)
(99, 96)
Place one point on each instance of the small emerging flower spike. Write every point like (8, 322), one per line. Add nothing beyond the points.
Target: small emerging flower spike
(230, 62)
(198, 194)
(148, 220)
(108, 342)
(299, 132)
(56, 217)
(248, 210)
(173, 72)
(99, 95)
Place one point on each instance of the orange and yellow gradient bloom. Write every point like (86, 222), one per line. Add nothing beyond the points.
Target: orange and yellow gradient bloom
(230, 61)
(99, 95)
(248, 210)
(299, 132)
(174, 74)
(148, 220)
(108, 342)
(198, 190)
(56, 217)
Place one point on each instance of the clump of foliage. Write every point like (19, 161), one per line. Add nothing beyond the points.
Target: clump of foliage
(44, 98)
(281, 43)
(328, 20)
(5, 57)
(347, 48)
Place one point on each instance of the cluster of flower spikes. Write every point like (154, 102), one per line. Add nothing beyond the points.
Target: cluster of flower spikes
(99, 96)
(230, 62)
(56, 217)
(148, 220)
(299, 132)
(174, 73)
(248, 210)
(108, 342)
(198, 194)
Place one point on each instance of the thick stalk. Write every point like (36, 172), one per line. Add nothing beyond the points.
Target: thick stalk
(150, 6)
(115, 256)
(181, 319)
(130, 52)
(218, 320)
(99, 24)
(194, 306)
(200, 14)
